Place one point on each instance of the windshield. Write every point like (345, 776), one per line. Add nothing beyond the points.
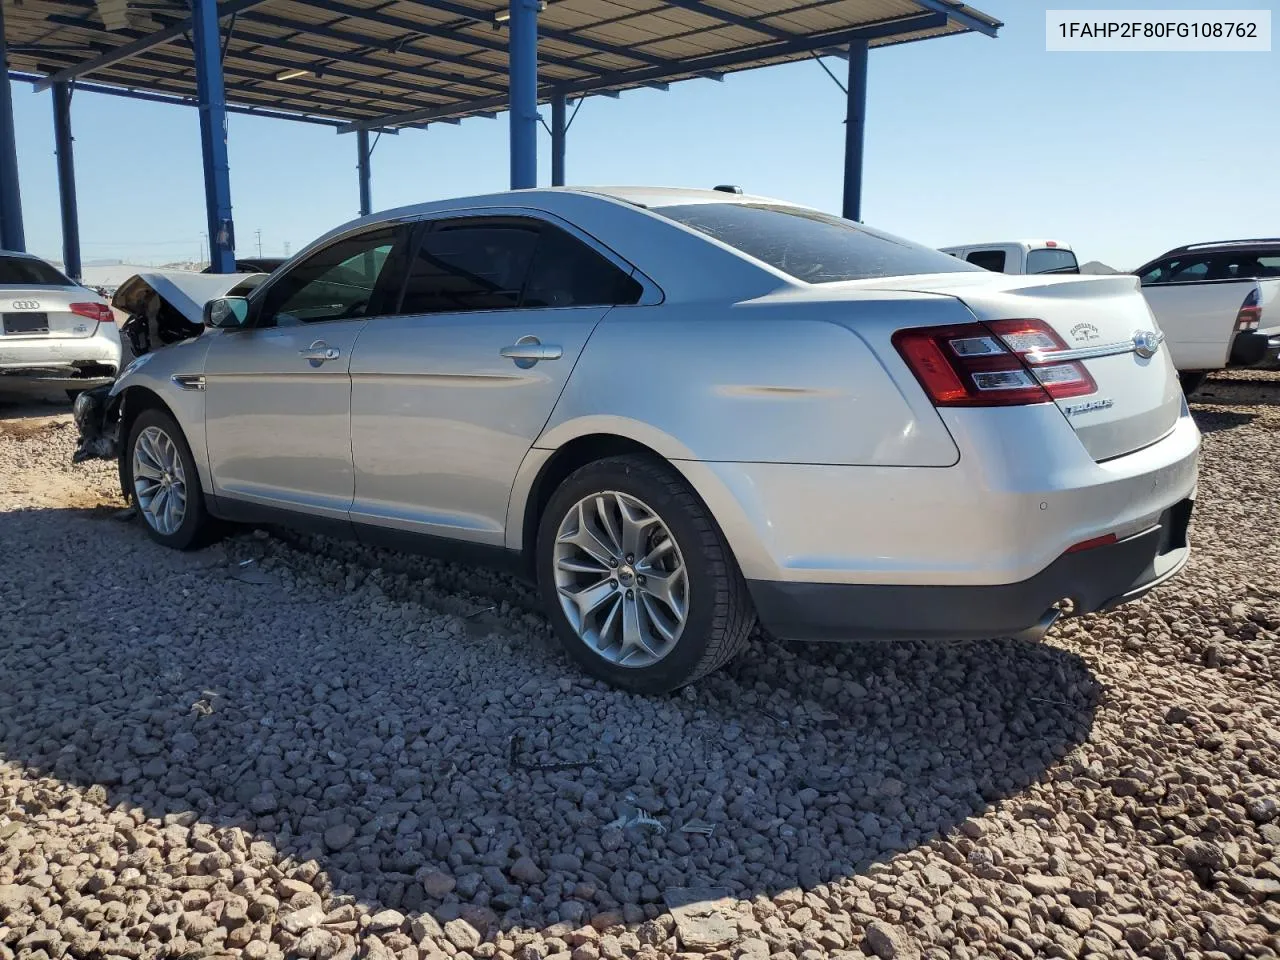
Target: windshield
(30, 272)
(1052, 261)
(811, 246)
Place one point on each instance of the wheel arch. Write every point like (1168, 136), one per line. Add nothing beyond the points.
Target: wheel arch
(131, 403)
(551, 469)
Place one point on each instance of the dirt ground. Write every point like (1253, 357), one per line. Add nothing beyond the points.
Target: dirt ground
(288, 746)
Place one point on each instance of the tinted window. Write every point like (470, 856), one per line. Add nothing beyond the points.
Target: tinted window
(339, 282)
(476, 266)
(1178, 270)
(568, 273)
(28, 271)
(1052, 261)
(811, 246)
(1245, 266)
(988, 259)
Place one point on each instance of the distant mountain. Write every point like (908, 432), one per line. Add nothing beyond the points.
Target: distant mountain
(1097, 266)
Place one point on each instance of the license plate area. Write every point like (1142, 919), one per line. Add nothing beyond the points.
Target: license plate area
(26, 323)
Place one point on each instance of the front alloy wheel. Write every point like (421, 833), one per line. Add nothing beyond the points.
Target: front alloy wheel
(159, 481)
(621, 579)
(160, 472)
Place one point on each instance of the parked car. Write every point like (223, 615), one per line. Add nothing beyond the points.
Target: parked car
(680, 411)
(1019, 256)
(54, 333)
(1218, 304)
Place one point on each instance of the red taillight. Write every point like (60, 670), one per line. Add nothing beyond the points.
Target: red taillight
(98, 312)
(993, 364)
(1249, 316)
(1051, 243)
(1102, 541)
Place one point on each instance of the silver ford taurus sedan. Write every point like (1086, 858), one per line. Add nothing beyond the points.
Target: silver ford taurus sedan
(682, 411)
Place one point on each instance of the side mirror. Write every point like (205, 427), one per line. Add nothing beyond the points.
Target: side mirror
(226, 313)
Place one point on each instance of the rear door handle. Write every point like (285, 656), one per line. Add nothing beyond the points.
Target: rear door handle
(319, 352)
(529, 350)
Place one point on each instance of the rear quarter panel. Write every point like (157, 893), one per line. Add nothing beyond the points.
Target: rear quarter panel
(771, 380)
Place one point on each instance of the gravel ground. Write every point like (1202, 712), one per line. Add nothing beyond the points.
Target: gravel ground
(287, 746)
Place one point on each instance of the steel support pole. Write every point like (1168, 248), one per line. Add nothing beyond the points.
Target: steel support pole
(211, 98)
(12, 236)
(854, 128)
(522, 58)
(66, 179)
(366, 194)
(557, 138)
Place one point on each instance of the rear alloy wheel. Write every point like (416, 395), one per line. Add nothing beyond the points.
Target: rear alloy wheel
(164, 482)
(640, 584)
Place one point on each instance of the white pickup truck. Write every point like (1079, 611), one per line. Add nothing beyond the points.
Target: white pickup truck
(1218, 304)
(1018, 256)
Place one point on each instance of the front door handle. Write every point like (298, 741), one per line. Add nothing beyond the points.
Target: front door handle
(529, 350)
(319, 352)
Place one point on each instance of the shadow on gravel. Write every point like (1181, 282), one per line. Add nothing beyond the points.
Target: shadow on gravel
(1240, 393)
(426, 767)
(1211, 421)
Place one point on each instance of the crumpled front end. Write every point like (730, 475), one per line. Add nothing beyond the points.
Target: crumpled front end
(97, 416)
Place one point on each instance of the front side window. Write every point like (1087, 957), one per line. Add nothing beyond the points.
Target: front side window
(811, 246)
(30, 272)
(1052, 261)
(1177, 270)
(992, 260)
(339, 282)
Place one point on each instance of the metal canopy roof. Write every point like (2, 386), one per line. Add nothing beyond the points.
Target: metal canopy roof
(391, 63)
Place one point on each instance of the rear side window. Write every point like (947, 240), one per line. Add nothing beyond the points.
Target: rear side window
(1052, 261)
(568, 273)
(510, 264)
(988, 259)
(462, 267)
(27, 271)
(811, 246)
(1245, 266)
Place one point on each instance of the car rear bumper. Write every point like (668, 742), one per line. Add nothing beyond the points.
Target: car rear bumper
(1253, 348)
(1095, 579)
(73, 362)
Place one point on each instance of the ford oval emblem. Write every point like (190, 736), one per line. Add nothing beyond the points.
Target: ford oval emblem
(1146, 343)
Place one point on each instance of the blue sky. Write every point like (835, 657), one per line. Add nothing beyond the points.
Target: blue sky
(968, 139)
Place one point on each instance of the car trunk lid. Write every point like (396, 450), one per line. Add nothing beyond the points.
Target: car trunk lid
(1104, 323)
(38, 311)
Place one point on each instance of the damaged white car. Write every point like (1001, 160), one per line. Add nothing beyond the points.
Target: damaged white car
(162, 309)
(53, 331)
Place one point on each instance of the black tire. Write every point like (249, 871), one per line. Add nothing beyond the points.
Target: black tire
(197, 527)
(720, 612)
(1191, 382)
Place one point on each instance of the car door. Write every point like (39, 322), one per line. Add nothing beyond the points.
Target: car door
(1188, 311)
(278, 392)
(448, 396)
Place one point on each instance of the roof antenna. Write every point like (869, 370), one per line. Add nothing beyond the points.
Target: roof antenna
(727, 188)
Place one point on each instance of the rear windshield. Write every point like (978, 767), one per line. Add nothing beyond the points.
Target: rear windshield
(1052, 261)
(811, 246)
(29, 272)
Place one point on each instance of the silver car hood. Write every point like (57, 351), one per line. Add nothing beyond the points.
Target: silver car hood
(184, 291)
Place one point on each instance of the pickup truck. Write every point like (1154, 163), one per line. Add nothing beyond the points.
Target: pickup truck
(1218, 305)
(1018, 256)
